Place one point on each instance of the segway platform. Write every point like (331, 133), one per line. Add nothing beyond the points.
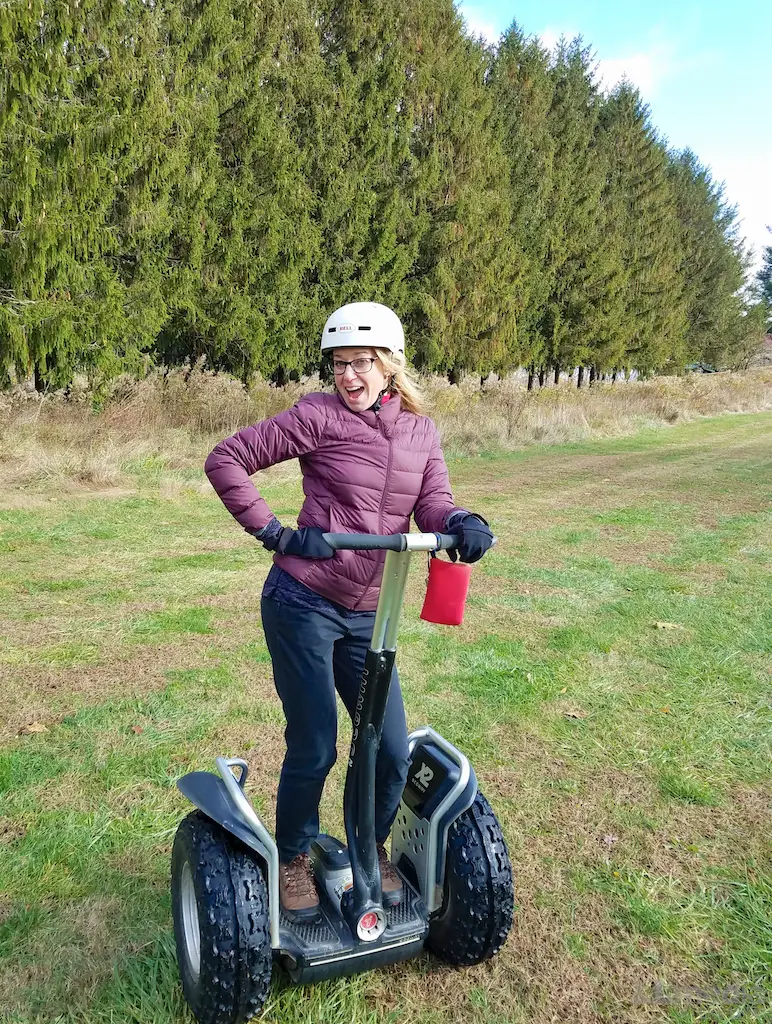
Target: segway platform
(324, 947)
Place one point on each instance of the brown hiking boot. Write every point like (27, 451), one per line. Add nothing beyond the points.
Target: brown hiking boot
(297, 889)
(391, 883)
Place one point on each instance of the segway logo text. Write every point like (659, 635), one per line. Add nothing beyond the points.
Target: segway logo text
(423, 777)
(358, 716)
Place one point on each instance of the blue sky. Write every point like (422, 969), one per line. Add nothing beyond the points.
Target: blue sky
(702, 67)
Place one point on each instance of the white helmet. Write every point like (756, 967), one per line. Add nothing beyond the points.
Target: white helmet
(369, 324)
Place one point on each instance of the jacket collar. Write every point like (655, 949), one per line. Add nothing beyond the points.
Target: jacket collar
(387, 414)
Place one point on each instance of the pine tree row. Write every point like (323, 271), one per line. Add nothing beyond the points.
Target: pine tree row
(213, 177)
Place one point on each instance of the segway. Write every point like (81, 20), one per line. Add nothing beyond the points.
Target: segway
(446, 844)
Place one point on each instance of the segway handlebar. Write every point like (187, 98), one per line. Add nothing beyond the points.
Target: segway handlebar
(392, 542)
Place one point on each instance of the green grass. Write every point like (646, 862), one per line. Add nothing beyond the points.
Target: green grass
(611, 684)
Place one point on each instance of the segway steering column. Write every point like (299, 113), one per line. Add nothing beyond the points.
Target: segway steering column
(362, 906)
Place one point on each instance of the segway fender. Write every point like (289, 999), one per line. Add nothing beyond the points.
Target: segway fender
(208, 793)
(223, 800)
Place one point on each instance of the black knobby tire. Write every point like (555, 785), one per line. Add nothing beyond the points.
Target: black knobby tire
(478, 899)
(231, 904)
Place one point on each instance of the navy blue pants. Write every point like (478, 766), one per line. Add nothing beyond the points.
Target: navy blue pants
(315, 653)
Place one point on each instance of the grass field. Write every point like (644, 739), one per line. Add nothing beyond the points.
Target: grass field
(611, 684)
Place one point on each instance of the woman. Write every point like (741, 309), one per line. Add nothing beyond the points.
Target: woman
(369, 460)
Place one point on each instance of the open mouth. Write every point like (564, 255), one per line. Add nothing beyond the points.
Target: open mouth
(355, 392)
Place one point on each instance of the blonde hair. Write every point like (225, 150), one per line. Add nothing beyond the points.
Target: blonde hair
(403, 380)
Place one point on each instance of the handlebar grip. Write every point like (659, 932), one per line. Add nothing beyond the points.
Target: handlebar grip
(392, 542)
(365, 542)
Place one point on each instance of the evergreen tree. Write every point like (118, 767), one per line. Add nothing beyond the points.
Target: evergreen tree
(582, 264)
(523, 89)
(654, 316)
(83, 166)
(713, 264)
(355, 138)
(462, 297)
(243, 234)
(764, 285)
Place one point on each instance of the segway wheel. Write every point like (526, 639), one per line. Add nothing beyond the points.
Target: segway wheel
(478, 899)
(221, 924)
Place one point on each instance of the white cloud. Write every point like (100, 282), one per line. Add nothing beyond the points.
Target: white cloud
(646, 68)
(550, 37)
(477, 24)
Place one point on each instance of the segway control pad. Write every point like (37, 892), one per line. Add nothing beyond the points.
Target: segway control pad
(440, 786)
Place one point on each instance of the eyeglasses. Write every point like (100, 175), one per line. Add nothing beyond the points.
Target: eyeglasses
(362, 364)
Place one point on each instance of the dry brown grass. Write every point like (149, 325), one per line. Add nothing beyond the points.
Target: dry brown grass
(170, 419)
(73, 968)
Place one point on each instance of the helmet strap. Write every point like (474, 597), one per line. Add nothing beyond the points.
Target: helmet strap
(376, 406)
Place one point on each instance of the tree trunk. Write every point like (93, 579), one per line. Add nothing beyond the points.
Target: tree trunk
(531, 376)
(454, 375)
(557, 374)
(593, 375)
(40, 384)
(580, 376)
(279, 376)
(542, 376)
(614, 376)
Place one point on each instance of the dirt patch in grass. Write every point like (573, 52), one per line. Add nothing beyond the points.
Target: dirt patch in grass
(16, 982)
(46, 693)
(11, 831)
(66, 956)
(602, 482)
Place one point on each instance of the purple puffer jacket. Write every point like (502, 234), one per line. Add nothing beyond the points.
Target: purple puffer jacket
(362, 473)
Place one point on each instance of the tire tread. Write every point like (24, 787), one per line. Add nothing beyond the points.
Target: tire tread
(478, 903)
(236, 955)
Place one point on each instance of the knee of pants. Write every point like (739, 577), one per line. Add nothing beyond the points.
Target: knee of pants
(393, 763)
(314, 762)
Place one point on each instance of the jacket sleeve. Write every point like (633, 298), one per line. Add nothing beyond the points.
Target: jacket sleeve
(435, 503)
(229, 466)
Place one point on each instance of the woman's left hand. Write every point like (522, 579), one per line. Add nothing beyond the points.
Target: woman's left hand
(476, 538)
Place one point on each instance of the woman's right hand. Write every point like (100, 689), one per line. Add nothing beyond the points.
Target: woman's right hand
(476, 538)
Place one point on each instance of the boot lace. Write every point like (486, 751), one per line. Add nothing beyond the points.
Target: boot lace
(388, 874)
(298, 877)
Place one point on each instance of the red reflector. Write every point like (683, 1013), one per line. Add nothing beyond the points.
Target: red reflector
(368, 921)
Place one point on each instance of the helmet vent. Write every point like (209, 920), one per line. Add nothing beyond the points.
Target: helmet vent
(331, 330)
(362, 327)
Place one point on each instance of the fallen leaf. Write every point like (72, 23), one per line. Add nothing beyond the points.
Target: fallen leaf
(136, 729)
(564, 690)
(665, 710)
(574, 713)
(669, 625)
(32, 728)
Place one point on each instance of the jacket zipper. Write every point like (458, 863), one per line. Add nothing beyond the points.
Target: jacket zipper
(383, 502)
